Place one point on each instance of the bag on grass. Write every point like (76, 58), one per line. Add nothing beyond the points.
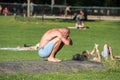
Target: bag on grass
(79, 57)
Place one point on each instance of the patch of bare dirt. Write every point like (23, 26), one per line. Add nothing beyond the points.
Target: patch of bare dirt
(39, 66)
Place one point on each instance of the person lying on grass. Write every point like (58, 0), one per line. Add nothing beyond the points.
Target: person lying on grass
(86, 55)
(24, 48)
(52, 41)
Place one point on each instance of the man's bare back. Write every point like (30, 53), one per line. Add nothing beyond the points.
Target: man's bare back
(50, 35)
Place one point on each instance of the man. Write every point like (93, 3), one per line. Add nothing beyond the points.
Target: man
(25, 48)
(52, 41)
(67, 10)
(107, 51)
(86, 55)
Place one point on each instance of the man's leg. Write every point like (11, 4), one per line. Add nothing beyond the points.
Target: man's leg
(116, 57)
(111, 54)
(58, 45)
(94, 49)
(98, 57)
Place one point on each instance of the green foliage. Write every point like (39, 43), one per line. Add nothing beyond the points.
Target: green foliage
(16, 32)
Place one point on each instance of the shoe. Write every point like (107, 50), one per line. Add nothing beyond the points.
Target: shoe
(25, 45)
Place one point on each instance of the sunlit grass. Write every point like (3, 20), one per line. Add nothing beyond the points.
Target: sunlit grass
(17, 32)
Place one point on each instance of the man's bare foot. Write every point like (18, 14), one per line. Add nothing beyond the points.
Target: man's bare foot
(96, 46)
(58, 60)
(54, 60)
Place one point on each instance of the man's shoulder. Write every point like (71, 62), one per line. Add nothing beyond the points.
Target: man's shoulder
(54, 31)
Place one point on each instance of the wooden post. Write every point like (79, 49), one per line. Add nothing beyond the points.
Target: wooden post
(28, 8)
(52, 4)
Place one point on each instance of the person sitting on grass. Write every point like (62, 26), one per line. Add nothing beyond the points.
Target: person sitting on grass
(80, 25)
(86, 55)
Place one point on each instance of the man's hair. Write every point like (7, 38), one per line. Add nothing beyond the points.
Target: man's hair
(79, 57)
(85, 53)
(68, 29)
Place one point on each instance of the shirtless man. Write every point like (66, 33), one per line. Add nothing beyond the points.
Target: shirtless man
(67, 10)
(52, 41)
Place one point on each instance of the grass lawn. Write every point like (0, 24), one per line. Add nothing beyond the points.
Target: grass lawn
(17, 32)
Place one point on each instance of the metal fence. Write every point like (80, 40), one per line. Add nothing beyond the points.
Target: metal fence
(39, 9)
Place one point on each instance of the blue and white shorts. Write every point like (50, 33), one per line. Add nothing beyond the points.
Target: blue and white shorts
(105, 54)
(46, 50)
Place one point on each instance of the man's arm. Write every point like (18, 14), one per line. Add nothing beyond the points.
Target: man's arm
(66, 41)
(64, 37)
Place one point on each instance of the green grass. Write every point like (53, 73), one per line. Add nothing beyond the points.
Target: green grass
(16, 32)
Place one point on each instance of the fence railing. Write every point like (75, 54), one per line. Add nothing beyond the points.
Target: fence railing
(39, 9)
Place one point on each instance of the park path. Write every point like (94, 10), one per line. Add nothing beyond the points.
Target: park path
(90, 17)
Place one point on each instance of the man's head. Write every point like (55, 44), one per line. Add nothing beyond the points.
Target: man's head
(65, 32)
(85, 53)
